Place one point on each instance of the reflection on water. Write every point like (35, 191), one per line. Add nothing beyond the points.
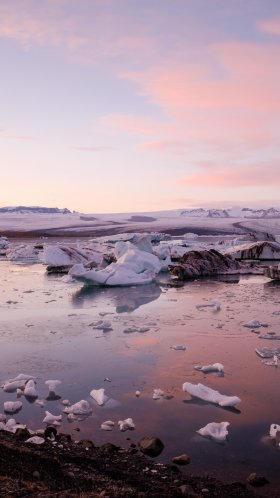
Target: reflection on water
(47, 333)
(125, 299)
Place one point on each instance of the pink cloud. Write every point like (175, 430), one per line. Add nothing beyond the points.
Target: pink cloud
(270, 26)
(100, 148)
(233, 176)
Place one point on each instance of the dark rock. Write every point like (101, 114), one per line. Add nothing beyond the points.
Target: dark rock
(151, 446)
(50, 432)
(110, 448)
(61, 269)
(257, 480)
(187, 490)
(86, 444)
(36, 474)
(22, 433)
(206, 263)
(181, 460)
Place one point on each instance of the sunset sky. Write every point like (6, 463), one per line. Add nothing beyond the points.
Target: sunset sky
(140, 105)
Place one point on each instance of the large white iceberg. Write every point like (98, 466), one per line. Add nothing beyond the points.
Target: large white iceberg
(210, 395)
(133, 267)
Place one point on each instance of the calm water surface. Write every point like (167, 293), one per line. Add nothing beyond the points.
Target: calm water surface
(45, 331)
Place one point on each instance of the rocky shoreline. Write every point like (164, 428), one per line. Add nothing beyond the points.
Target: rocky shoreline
(63, 468)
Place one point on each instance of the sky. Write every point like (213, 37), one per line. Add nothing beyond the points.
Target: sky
(139, 105)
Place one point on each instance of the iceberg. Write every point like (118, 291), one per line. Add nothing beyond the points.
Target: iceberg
(51, 419)
(11, 425)
(214, 430)
(99, 396)
(30, 390)
(133, 267)
(158, 393)
(178, 347)
(52, 385)
(126, 424)
(80, 408)
(207, 394)
(255, 324)
(12, 406)
(216, 367)
(108, 425)
(274, 428)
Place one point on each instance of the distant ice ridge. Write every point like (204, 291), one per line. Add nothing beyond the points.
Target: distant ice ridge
(34, 209)
(133, 267)
(234, 212)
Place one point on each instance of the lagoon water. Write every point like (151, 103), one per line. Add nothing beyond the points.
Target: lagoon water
(46, 330)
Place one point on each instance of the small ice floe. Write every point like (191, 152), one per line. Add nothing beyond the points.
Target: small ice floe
(158, 393)
(274, 428)
(137, 393)
(215, 304)
(268, 352)
(216, 431)
(131, 330)
(126, 424)
(255, 324)
(270, 336)
(30, 389)
(12, 386)
(104, 325)
(35, 440)
(11, 426)
(215, 367)
(108, 425)
(2, 417)
(51, 419)
(40, 402)
(207, 394)
(52, 385)
(272, 363)
(65, 402)
(178, 347)
(80, 408)
(99, 396)
(12, 406)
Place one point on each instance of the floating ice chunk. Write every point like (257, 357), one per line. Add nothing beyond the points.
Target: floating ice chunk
(273, 363)
(104, 325)
(130, 330)
(12, 386)
(51, 419)
(65, 402)
(215, 304)
(30, 390)
(216, 367)
(2, 417)
(126, 424)
(108, 425)
(22, 377)
(216, 431)
(137, 393)
(12, 406)
(274, 428)
(52, 385)
(210, 395)
(270, 336)
(268, 352)
(99, 396)
(255, 324)
(179, 347)
(35, 440)
(158, 393)
(80, 408)
(40, 402)
(11, 425)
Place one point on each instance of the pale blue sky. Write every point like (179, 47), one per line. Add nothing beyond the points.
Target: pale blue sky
(121, 105)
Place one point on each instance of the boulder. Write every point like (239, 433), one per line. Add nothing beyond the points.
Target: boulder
(151, 446)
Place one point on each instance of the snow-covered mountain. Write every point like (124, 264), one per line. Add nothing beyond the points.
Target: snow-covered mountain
(235, 212)
(34, 209)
